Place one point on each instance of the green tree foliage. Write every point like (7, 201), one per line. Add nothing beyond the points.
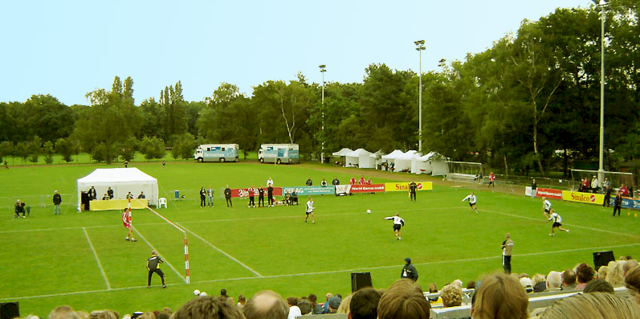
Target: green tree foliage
(152, 147)
(184, 146)
(47, 149)
(66, 148)
(34, 149)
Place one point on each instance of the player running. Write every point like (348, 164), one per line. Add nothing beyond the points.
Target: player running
(397, 225)
(546, 206)
(557, 222)
(126, 221)
(309, 211)
(472, 201)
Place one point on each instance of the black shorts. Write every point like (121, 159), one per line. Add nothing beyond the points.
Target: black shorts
(471, 204)
(546, 211)
(397, 226)
(311, 212)
(556, 225)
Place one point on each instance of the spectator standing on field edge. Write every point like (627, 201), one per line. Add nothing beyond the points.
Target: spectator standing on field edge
(210, 196)
(153, 266)
(57, 200)
(412, 191)
(507, 248)
(270, 195)
(607, 197)
(260, 196)
(203, 197)
(409, 271)
(252, 194)
(227, 196)
(492, 179)
(534, 187)
(309, 182)
(617, 204)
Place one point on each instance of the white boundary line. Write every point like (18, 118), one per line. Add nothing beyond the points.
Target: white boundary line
(323, 272)
(165, 260)
(95, 254)
(221, 251)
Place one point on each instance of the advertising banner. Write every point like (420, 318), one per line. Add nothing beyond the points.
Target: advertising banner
(342, 189)
(244, 193)
(404, 186)
(549, 193)
(588, 198)
(373, 188)
(310, 190)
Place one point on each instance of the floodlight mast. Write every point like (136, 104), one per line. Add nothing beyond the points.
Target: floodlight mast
(420, 47)
(322, 70)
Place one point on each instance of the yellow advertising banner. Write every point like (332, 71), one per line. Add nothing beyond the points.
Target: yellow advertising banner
(404, 186)
(588, 198)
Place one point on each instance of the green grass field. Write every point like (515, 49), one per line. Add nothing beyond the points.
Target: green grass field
(82, 259)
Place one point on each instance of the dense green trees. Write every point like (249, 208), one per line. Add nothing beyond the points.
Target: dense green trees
(530, 102)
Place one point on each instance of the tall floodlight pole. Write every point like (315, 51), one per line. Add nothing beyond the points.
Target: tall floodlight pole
(419, 48)
(603, 16)
(322, 70)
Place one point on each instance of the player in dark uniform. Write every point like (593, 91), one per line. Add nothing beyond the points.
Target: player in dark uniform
(153, 265)
(270, 196)
(203, 197)
(413, 187)
(260, 196)
(227, 196)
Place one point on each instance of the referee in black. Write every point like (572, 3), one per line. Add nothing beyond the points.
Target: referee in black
(412, 191)
(153, 265)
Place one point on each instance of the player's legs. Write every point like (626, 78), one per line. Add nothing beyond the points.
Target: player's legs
(400, 234)
(305, 220)
(149, 278)
(563, 229)
(161, 274)
(313, 218)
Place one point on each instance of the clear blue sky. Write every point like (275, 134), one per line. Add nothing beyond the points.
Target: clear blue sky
(69, 48)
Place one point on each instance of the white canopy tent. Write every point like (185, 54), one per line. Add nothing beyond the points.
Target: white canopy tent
(361, 158)
(122, 181)
(433, 163)
(342, 152)
(392, 156)
(376, 158)
(403, 162)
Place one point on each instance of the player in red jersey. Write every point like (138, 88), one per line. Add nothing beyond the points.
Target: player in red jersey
(126, 221)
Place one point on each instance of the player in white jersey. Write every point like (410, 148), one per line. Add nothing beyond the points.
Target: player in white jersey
(557, 222)
(309, 211)
(397, 225)
(546, 206)
(472, 201)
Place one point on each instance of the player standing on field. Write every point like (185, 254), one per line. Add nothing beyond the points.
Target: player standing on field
(126, 221)
(557, 222)
(153, 266)
(472, 201)
(309, 210)
(413, 187)
(492, 179)
(397, 225)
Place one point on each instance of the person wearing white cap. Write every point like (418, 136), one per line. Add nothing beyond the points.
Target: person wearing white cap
(57, 200)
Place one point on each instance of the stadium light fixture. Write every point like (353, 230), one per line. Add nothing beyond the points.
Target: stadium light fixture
(322, 70)
(420, 47)
(602, 5)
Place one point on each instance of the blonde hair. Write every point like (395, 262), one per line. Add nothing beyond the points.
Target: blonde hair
(500, 296)
(593, 305)
(602, 272)
(537, 278)
(615, 276)
(345, 305)
(451, 295)
(404, 300)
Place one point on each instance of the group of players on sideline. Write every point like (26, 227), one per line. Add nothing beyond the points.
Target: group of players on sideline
(496, 296)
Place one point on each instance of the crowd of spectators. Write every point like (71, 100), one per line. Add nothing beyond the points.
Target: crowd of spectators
(496, 296)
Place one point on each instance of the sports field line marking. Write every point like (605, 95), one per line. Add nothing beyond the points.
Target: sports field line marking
(95, 255)
(319, 272)
(571, 225)
(221, 251)
(165, 260)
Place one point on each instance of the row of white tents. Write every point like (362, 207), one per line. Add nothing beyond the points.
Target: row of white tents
(412, 161)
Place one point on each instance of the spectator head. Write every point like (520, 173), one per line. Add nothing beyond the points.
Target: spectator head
(63, 312)
(404, 300)
(305, 306)
(568, 277)
(313, 298)
(223, 292)
(328, 296)
(345, 305)
(632, 282)
(593, 305)
(433, 287)
(615, 275)
(457, 282)
(406, 260)
(103, 314)
(630, 264)
(334, 304)
(554, 280)
(364, 304)
(266, 304)
(599, 285)
(471, 284)
(584, 273)
(451, 295)
(292, 301)
(208, 307)
(500, 297)
(242, 299)
(602, 272)
(527, 284)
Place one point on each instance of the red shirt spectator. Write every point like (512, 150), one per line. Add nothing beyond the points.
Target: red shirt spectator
(362, 181)
(624, 190)
(352, 181)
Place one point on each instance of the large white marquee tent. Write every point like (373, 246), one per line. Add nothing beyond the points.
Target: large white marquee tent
(432, 163)
(122, 181)
(361, 158)
(403, 161)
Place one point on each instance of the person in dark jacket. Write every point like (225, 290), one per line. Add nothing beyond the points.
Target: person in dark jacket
(617, 203)
(409, 271)
(227, 196)
(57, 200)
(153, 266)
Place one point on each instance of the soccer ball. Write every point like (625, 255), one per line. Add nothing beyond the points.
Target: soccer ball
(196, 292)
(368, 211)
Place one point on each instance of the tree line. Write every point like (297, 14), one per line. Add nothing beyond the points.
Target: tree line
(531, 102)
